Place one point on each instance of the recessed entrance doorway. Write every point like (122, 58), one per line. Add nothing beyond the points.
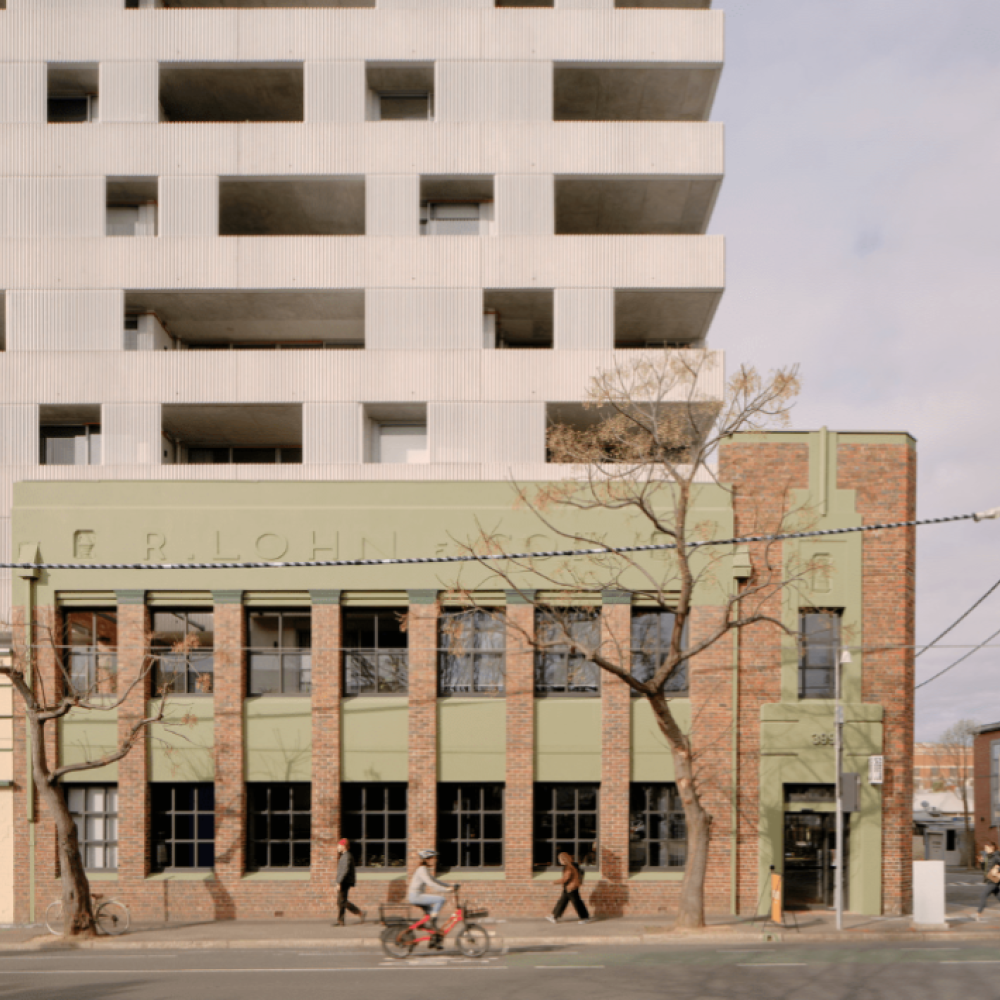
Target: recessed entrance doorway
(811, 859)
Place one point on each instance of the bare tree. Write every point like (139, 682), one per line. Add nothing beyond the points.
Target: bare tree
(645, 446)
(955, 750)
(85, 681)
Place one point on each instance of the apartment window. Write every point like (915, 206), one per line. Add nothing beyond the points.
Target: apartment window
(471, 652)
(373, 819)
(400, 443)
(72, 92)
(456, 206)
(560, 667)
(995, 781)
(518, 318)
(233, 92)
(94, 809)
(651, 635)
(131, 206)
(376, 659)
(451, 219)
(227, 455)
(182, 645)
(819, 649)
(279, 655)
(280, 825)
(565, 820)
(470, 825)
(92, 651)
(183, 826)
(657, 828)
(71, 444)
(400, 91)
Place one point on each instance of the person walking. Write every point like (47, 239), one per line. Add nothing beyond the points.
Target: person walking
(571, 881)
(346, 880)
(991, 859)
(425, 892)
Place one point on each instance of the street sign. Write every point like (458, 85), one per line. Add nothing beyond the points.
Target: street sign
(849, 791)
(876, 768)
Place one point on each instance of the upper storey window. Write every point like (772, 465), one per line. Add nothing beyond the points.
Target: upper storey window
(242, 4)
(72, 92)
(70, 435)
(400, 91)
(200, 92)
(819, 652)
(456, 206)
(232, 434)
(131, 206)
(313, 206)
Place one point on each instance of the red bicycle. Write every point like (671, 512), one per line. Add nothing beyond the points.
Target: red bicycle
(400, 936)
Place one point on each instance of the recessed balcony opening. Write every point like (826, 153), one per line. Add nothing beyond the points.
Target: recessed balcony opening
(210, 92)
(400, 91)
(3, 321)
(232, 434)
(663, 318)
(72, 92)
(396, 433)
(653, 206)
(251, 321)
(251, 4)
(667, 4)
(517, 317)
(632, 93)
(292, 207)
(456, 206)
(70, 435)
(131, 206)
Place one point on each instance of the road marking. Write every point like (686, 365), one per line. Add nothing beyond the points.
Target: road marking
(195, 972)
(971, 961)
(768, 965)
(569, 966)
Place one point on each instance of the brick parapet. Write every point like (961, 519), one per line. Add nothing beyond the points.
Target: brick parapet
(616, 754)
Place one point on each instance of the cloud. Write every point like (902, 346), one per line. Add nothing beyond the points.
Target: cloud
(861, 211)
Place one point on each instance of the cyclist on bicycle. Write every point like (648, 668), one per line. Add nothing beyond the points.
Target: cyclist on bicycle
(421, 892)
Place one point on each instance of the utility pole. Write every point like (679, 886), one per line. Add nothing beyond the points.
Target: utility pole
(838, 746)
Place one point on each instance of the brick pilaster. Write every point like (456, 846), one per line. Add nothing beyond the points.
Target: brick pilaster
(616, 625)
(230, 789)
(326, 695)
(133, 789)
(519, 791)
(422, 628)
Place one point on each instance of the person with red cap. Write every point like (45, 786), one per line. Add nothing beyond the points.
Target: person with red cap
(346, 880)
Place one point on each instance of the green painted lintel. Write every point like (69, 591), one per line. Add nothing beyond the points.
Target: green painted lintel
(130, 596)
(616, 597)
(325, 596)
(520, 596)
(227, 596)
(422, 596)
(181, 877)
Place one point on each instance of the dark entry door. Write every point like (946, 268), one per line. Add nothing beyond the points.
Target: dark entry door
(810, 858)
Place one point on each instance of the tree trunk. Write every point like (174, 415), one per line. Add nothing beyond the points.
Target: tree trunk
(78, 910)
(691, 909)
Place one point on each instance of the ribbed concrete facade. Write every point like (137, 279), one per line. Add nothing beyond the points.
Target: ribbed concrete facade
(528, 103)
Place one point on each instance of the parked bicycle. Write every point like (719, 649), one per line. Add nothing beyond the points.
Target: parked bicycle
(112, 916)
(401, 935)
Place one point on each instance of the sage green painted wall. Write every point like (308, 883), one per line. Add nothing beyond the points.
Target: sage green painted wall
(374, 739)
(472, 739)
(87, 734)
(152, 522)
(277, 737)
(651, 757)
(183, 748)
(797, 748)
(567, 739)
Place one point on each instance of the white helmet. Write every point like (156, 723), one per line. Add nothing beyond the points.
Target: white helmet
(425, 855)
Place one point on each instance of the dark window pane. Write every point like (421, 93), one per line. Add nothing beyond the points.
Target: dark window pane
(281, 826)
(302, 797)
(301, 826)
(183, 855)
(397, 827)
(300, 854)
(206, 826)
(281, 797)
(281, 855)
(206, 855)
(184, 826)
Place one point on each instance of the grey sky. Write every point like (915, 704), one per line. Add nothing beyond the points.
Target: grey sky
(861, 209)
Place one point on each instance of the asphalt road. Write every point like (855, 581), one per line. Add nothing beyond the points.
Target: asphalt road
(779, 971)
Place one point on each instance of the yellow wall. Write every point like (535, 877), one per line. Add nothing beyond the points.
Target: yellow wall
(472, 739)
(277, 734)
(567, 739)
(374, 735)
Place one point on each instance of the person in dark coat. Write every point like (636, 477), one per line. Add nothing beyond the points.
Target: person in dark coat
(571, 881)
(990, 857)
(346, 880)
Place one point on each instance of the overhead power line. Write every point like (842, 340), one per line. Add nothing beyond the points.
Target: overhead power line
(961, 659)
(495, 556)
(959, 620)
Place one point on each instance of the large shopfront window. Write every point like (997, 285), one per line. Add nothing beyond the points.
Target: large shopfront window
(651, 635)
(376, 658)
(279, 820)
(560, 666)
(182, 645)
(94, 809)
(182, 826)
(471, 652)
(565, 821)
(91, 651)
(819, 650)
(657, 831)
(470, 825)
(279, 660)
(373, 819)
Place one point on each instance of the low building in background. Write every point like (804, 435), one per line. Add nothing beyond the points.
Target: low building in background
(986, 755)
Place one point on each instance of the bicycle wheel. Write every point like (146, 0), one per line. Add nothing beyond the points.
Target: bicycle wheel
(473, 941)
(397, 943)
(112, 918)
(54, 917)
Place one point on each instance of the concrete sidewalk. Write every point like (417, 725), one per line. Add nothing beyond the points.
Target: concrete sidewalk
(805, 927)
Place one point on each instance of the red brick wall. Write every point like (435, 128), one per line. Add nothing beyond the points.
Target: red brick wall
(326, 693)
(422, 793)
(983, 808)
(518, 794)
(884, 477)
